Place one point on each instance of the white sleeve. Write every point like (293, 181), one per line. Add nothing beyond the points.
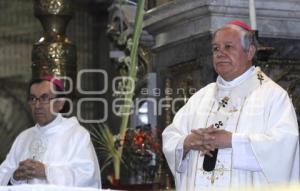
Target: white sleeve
(9, 165)
(17, 182)
(173, 137)
(243, 156)
(180, 162)
(82, 170)
(5, 173)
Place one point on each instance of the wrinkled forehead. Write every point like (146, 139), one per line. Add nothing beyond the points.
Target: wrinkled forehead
(44, 87)
(225, 34)
(230, 29)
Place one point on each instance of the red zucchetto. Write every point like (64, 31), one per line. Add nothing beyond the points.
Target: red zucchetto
(240, 24)
(57, 82)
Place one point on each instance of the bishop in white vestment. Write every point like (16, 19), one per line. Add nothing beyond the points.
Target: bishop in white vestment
(66, 149)
(56, 150)
(244, 104)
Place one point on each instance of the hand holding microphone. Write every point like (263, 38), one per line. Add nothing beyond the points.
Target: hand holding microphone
(208, 141)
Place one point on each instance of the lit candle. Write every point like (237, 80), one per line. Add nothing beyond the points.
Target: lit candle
(252, 14)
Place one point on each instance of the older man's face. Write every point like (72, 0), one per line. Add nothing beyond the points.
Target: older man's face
(229, 58)
(43, 112)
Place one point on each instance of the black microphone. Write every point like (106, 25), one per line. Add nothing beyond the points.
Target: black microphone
(209, 163)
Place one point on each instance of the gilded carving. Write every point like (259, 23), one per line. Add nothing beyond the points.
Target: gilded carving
(54, 54)
(52, 6)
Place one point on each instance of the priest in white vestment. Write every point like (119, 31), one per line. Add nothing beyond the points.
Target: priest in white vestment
(244, 114)
(56, 150)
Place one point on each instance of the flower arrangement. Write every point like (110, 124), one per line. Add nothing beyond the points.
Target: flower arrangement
(142, 153)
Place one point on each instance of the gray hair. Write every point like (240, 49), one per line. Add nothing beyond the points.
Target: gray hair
(247, 37)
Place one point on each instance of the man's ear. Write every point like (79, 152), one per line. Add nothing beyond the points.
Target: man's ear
(251, 52)
(60, 103)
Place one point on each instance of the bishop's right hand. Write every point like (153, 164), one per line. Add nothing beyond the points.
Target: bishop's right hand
(29, 169)
(200, 140)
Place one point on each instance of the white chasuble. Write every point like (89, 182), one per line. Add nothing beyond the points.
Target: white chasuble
(224, 114)
(63, 146)
(245, 108)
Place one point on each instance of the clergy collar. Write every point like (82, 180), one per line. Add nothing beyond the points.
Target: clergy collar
(235, 82)
(58, 119)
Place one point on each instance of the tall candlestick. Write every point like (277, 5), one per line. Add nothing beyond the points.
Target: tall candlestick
(252, 14)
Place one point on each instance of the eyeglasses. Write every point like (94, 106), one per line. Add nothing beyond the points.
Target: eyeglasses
(43, 99)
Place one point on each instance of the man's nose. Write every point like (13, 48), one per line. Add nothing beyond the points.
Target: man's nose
(37, 104)
(220, 53)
